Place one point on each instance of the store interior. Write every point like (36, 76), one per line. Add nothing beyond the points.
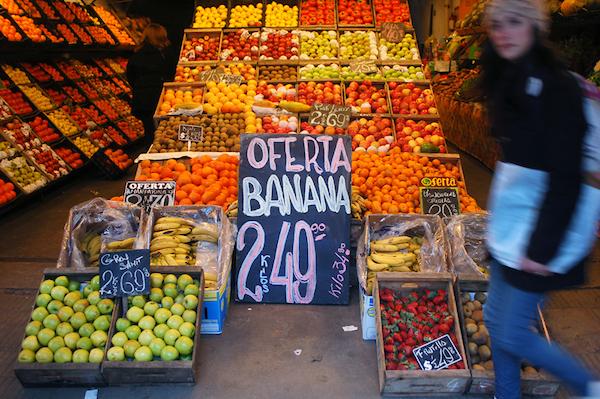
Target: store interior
(69, 136)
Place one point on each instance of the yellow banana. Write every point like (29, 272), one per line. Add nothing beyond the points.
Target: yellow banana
(203, 237)
(207, 229)
(189, 105)
(394, 240)
(210, 285)
(403, 269)
(210, 275)
(183, 239)
(384, 247)
(166, 226)
(391, 260)
(163, 244)
(93, 246)
(294, 106)
(123, 244)
(376, 267)
(163, 238)
(179, 251)
(171, 219)
(183, 230)
(170, 260)
(184, 246)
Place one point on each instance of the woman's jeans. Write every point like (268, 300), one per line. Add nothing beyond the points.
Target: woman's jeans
(509, 315)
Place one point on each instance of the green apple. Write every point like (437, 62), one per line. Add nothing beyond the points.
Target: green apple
(146, 337)
(187, 329)
(62, 281)
(87, 290)
(156, 346)
(74, 285)
(95, 283)
(39, 314)
(138, 301)
(156, 280)
(189, 316)
(191, 289)
(77, 320)
(54, 306)
(81, 305)
(45, 335)
(63, 355)
(167, 302)
(170, 279)
(94, 297)
(99, 338)
(156, 294)
(151, 307)
(91, 313)
(86, 330)
(130, 347)
(174, 321)
(85, 343)
(177, 309)
(65, 313)
(190, 302)
(171, 336)
(33, 327)
(96, 355)
(160, 330)
(170, 290)
(147, 323)
(115, 354)
(102, 323)
(133, 332)
(71, 340)
(43, 300)
(44, 355)
(122, 324)
(51, 321)
(56, 343)
(26, 356)
(184, 280)
(105, 306)
(72, 297)
(46, 286)
(179, 299)
(135, 314)
(81, 356)
(162, 315)
(59, 292)
(169, 353)
(184, 345)
(119, 339)
(64, 328)
(30, 343)
(143, 354)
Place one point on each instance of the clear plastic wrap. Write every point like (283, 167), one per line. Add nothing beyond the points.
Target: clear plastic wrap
(468, 254)
(214, 257)
(99, 225)
(432, 256)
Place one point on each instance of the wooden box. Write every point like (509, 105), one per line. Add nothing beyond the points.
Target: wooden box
(419, 383)
(157, 371)
(540, 384)
(415, 117)
(67, 374)
(214, 34)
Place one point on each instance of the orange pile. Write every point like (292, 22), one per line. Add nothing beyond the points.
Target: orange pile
(390, 182)
(209, 182)
(9, 31)
(11, 6)
(30, 28)
(7, 192)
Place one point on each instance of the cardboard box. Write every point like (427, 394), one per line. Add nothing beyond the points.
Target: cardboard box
(214, 308)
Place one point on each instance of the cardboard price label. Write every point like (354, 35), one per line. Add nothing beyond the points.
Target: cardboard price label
(124, 273)
(443, 202)
(393, 32)
(191, 133)
(148, 194)
(363, 67)
(330, 115)
(232, 79)
(437, 354)
(212, 75)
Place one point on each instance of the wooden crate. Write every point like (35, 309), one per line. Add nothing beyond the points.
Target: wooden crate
(157, 371)
(328, 63)
(289, 3)
(266, 65)
(172, 85)
(318, 60)
(483, 382)
(235, 3)
(341, 25)
(332, 26)
(416, 117)
(189, 33)
(67, 374)
(419, 383)
(235, 31)
(341, 32)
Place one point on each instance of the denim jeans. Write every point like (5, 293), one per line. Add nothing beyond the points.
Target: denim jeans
(509, 314)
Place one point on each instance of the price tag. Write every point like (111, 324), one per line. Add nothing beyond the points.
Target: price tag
(441, 66)
(393, 32)
(443, 202)
(232, 79)
(148, 194)
(191, 133)
(212, 75)
(330, 115)
(437, 354)
(124, 273)
(363, 67)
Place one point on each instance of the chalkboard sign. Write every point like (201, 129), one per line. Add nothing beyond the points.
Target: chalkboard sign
(392, 32)
(330, 115)
(293, 243)
(124, 273)
(437, 354)
(190, 133)
(443, 202)
(363, 66)
(148, 194)
(232, 79)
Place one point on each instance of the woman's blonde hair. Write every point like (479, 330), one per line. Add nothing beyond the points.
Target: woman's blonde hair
(156, 36)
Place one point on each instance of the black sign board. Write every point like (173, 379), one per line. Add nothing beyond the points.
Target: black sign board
(392, 32)
(443, 202)
(363, 66)
(124, 273)
(293, 243)
(232, 79)
(437, 354)
(330, 115)
(148, 194)
(190, 133)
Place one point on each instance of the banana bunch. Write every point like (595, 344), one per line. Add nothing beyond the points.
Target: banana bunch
(122, 245)
(90, 246)
(357, 205)
(174, 241)
(210, 280)
(393, 254)
(232, 210)
(294, 106)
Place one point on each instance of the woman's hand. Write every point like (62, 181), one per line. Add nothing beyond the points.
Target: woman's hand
(529, 266)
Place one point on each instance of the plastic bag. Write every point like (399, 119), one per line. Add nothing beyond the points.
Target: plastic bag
(432, 257)
(214, 257)
(468, 254)
(96, 226)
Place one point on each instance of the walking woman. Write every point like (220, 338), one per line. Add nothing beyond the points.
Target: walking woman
(540, 230)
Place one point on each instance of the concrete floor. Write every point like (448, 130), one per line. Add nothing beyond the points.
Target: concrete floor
(254, 357)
